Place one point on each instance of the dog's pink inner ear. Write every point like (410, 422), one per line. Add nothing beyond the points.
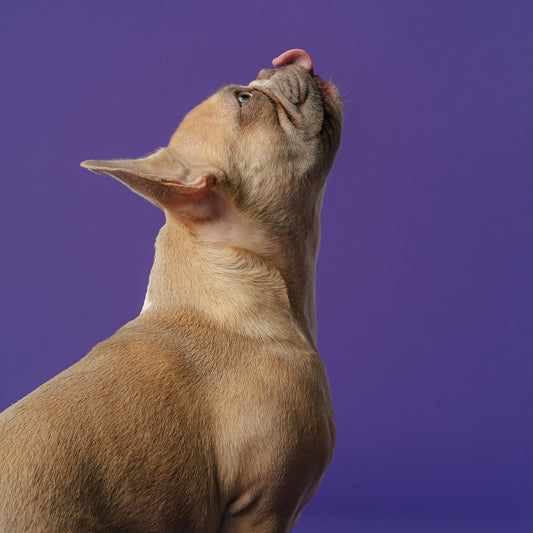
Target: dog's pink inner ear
(191, 194)
(198, 203)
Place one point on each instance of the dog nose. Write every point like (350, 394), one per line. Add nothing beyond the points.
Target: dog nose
(266, 73)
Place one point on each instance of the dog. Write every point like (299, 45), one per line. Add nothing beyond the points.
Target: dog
(210, 411)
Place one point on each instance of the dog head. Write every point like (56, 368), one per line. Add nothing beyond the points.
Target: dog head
(256, 154)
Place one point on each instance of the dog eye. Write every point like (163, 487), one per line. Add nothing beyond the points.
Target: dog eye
(243, 97)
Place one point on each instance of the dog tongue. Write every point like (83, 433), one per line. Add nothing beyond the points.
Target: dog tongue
(296, 55)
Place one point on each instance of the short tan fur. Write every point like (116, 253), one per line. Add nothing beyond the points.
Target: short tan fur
(210, 411)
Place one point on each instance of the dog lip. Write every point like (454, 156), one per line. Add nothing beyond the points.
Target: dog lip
(329, 93)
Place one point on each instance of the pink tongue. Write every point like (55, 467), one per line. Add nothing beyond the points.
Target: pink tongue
(296, 55)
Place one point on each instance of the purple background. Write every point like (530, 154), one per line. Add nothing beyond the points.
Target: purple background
(425, 284)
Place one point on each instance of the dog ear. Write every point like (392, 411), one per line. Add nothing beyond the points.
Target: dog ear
(191, 193)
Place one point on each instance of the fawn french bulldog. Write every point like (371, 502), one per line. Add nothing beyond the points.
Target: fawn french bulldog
(210, 411)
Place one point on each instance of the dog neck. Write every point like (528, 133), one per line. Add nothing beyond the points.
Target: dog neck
(231, 287)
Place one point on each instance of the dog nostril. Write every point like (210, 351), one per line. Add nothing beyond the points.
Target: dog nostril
(266, 74)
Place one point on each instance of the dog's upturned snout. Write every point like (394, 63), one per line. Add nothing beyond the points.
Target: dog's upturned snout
(266, 73)
(288, 81)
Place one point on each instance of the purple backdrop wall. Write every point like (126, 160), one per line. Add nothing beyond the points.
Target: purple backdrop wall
(425, 275)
